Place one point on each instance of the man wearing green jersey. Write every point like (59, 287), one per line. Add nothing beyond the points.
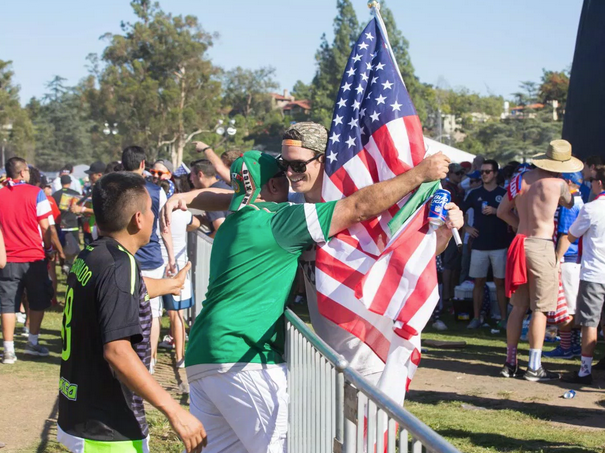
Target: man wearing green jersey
(234, 361)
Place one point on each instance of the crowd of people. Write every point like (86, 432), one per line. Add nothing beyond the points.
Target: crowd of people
(523, 225)
(121, 239)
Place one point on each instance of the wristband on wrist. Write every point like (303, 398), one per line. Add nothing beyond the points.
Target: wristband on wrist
(205, 149)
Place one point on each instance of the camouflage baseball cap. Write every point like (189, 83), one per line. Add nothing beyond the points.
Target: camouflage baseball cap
(308, 135)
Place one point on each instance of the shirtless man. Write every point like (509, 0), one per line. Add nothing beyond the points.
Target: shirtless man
(531, 268)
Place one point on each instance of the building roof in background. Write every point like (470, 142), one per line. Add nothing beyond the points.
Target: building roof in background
(530, 106)
(303, 104)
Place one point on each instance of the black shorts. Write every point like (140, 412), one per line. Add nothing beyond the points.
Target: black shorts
(33, 277)
(451, 258)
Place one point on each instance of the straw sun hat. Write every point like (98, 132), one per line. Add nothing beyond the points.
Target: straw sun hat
(558, 158)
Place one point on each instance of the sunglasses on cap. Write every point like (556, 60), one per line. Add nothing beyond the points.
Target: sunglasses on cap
(297, 166)
(159, 172)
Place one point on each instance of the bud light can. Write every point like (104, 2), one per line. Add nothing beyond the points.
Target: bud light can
(437, 213)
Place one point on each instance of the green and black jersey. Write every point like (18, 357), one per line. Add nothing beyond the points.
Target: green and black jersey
(106, 300)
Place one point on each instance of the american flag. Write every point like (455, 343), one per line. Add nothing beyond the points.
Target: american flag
(378, 279)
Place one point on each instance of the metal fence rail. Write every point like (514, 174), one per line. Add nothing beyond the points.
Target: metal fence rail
(334, 409)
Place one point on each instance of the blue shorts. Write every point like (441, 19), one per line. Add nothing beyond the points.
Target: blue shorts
(171, 304)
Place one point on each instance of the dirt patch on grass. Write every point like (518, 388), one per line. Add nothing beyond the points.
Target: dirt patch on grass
(28, 410)
(471, 376)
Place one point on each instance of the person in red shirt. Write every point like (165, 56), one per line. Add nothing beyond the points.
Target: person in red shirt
(24, 213)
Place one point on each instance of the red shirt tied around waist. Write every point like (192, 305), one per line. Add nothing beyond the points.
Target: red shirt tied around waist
(22, 206)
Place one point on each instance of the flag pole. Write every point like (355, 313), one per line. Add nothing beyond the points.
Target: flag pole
(375, 11)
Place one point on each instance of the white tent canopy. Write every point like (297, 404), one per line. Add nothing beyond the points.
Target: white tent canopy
(456, 155)
(79, 171)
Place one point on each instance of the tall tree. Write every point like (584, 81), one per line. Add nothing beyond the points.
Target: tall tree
(62, 126)
(331, 60)
(554, 87)
(247, 91)
(156, 82)
(16, 130)
(301, 90)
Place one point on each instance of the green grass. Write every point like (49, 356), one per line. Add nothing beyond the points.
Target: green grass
(479, 431)
(506, 426)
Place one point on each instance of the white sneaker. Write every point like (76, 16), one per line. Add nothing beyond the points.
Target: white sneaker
(9, 358)
(152, 366)
(180, 363)
(439, 325)
(21, 317)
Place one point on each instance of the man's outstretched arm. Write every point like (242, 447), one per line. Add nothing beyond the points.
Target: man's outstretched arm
(211, 199)
(377, 198)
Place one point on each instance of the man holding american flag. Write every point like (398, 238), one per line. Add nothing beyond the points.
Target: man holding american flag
(376, 280)
(303, 155)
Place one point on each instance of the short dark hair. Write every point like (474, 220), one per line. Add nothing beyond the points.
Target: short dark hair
(132, 156)
(116, 197)
(600, 173)
(35, 177)
(204, 166)
(114, 166)
(182, 183)
(493, 163)
(14, 166)
(593, 160)
(68, 167)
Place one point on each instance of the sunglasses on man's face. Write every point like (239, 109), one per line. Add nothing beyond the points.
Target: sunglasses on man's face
(158, 173)
(460, 173)
(486, 172)
(297, 166)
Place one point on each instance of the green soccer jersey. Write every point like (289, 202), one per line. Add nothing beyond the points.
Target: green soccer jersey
(252, 268)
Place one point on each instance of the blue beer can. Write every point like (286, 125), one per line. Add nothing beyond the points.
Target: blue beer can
(569, 394)
(437, 212)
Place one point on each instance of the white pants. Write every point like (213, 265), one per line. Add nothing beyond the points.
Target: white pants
(156, 302)
(570, 278)
(243, 411)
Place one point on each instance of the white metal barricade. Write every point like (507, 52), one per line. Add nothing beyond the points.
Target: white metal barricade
(199, 248)
(334, 409)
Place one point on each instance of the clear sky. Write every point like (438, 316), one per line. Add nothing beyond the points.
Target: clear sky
(488, 46)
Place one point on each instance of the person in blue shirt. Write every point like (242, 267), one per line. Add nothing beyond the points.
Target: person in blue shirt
(568, 257)
(149, 256)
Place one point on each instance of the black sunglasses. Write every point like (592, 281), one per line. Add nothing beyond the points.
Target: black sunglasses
(297, 166)
(486, 172)
(460, 173)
